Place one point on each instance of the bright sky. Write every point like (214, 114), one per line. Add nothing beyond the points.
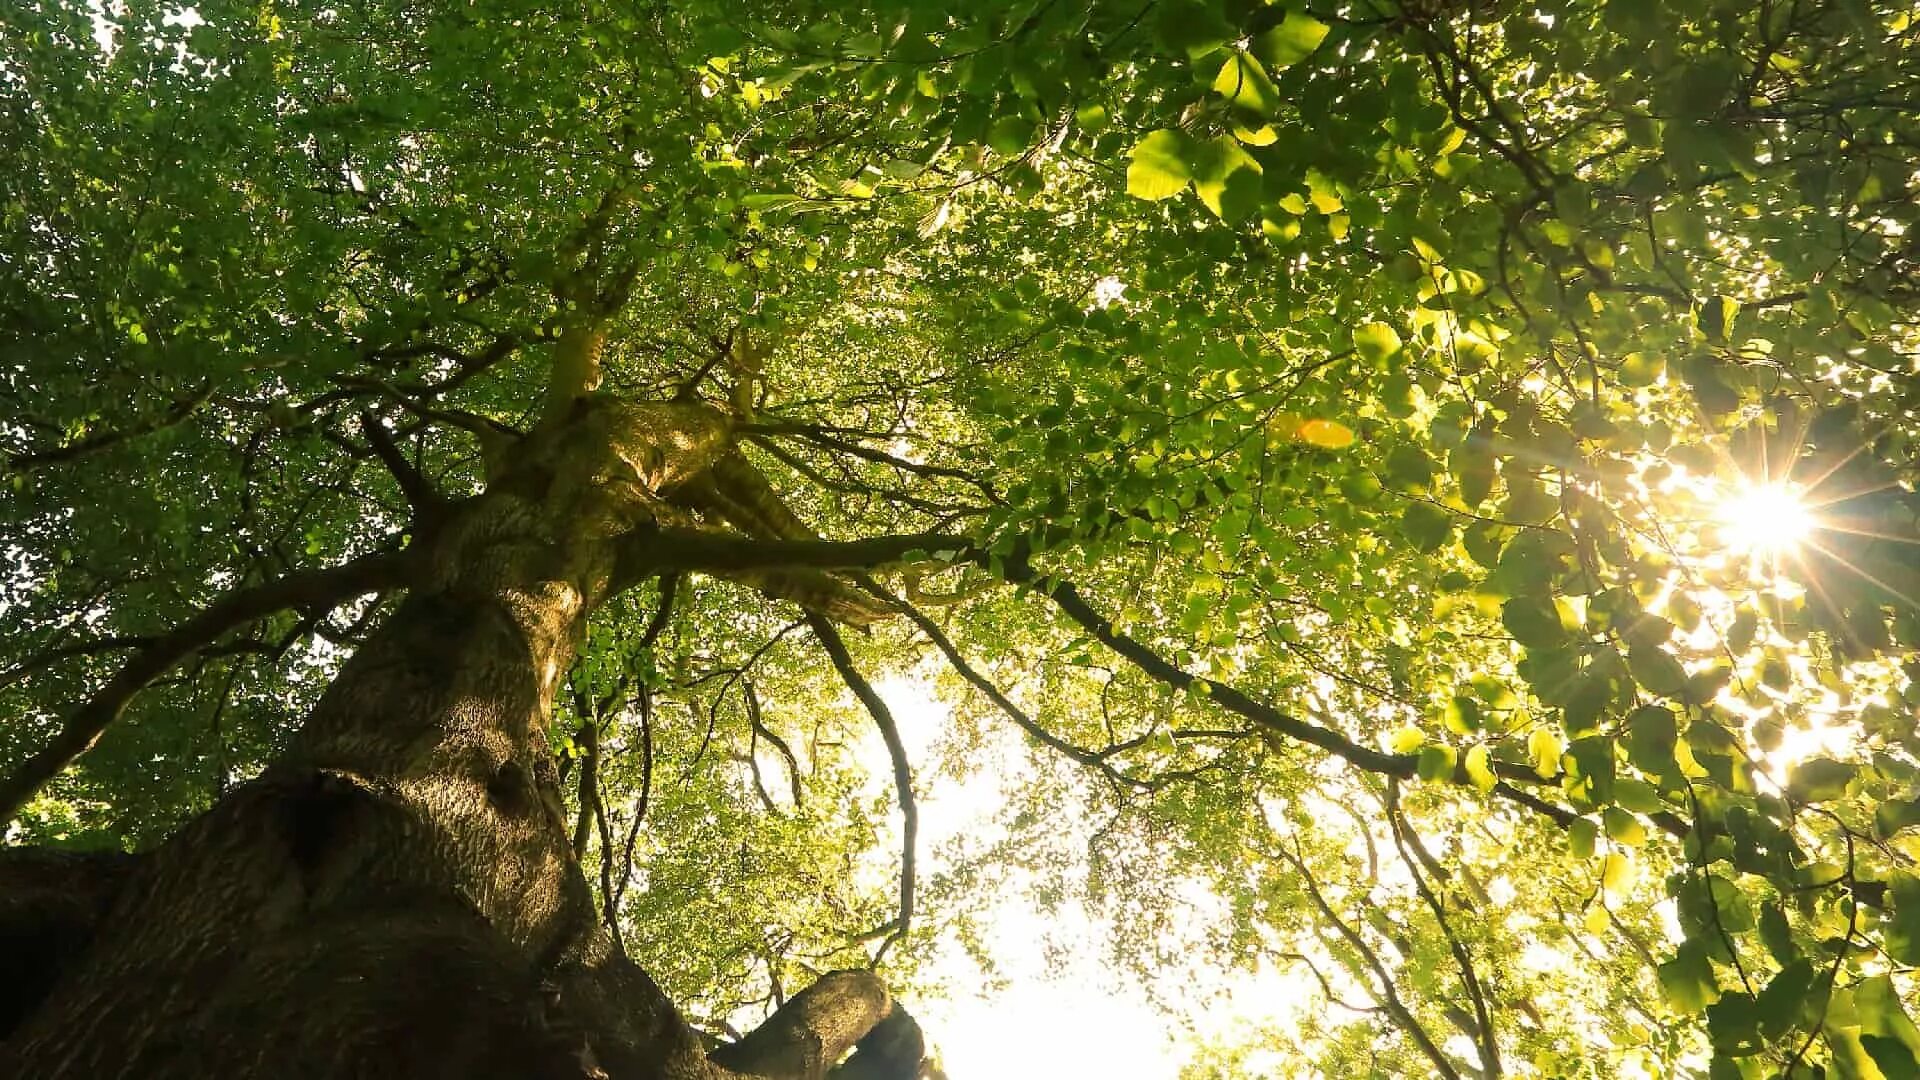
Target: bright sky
(1052, 1021)
(1058, 1017)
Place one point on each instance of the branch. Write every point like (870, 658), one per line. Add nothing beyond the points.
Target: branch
(1404, 838)
(1068, 599)
(986, 686)
(238, 607)
(1015, 568)
(897, 751)
(1386, 995)
(175, 414)
(762, 731)
(842, 1011)
(656, 550)
(420, 494)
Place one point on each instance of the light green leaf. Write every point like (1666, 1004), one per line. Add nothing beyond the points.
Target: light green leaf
(1480, 769)
(1376, 341)
(1297, 36)
(1687, 980)
(1244, 83)
(1618, 873)
(1161, 165)
(1545, 746)
(1623, 827)
(1226, 178)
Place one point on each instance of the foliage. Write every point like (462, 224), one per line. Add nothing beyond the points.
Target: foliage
(1375, 369)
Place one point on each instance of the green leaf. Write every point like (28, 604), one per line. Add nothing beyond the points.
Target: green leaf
(1657, 670)
(1480, 769)
(1687, 980)
(1877, 1006)
(1618, 873)
(1427, 527)
(1410, 467)
(1376, 341)
(1733, 1024)
(1652, 731)
(1462, 715)
(1161, 165)
(1711, 905)
(1544, 747)
(1582, 835)
(1716, 317)
(1295, 39)
(1623, 826)
(768, 200)
(1436, 763)
(1779, 1006)
(1637, 795)
(1776, 934)
(1892, 816)
(1590, 769)
(1819, 780)
(1641, 369)
(1245, 85)
(1227, 179)
(1193, 29)
(1010, 135)
(1534, 621)
(1893, 1058)
(1903, 924)
(1406, 740)
(1474, 468)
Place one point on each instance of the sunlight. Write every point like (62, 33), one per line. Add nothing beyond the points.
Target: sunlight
(1764, 519)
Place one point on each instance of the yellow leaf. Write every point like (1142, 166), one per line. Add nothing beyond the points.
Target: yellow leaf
(1544, 747)
(1407, 740)
(1326, 434)
(1480, 769)
(1618, 873)
(1596, 920)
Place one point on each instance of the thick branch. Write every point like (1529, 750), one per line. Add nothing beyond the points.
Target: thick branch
(329, 587)
(420, 494)
(653, 551)
(842, 1011)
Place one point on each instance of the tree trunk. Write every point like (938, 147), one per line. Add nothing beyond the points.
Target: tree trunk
(396, 895)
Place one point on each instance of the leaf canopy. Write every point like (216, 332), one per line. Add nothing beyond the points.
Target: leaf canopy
(1344, 399)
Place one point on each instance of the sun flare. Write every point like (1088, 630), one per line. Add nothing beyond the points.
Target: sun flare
(1764, 519)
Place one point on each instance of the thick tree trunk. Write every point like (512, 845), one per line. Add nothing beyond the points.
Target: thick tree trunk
(396, 895)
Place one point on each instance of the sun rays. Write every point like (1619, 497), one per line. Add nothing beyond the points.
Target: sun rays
(1764, 519)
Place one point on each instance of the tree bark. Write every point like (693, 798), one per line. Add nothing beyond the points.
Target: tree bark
(397, 895)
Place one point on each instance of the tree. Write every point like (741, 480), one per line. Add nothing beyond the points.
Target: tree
(1339, 434)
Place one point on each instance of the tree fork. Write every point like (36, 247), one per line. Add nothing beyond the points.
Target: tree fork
(397, 894)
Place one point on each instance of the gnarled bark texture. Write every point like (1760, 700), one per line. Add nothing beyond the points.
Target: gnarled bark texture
(396, 895)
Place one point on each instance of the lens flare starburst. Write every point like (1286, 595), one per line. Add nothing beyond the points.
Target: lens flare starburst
(1764, 519)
